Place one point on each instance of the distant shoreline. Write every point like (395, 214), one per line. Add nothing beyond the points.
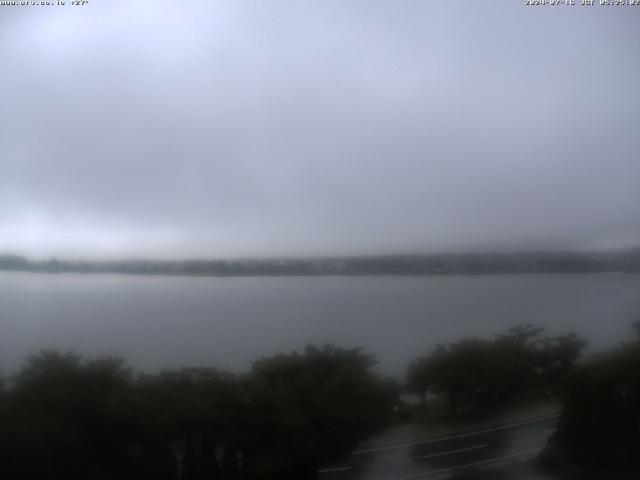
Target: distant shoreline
(318, 275)
(388, 265)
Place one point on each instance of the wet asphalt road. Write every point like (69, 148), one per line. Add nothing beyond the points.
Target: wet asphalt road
(497, 453)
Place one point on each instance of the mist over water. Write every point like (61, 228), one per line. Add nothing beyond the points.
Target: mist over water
(159, 323)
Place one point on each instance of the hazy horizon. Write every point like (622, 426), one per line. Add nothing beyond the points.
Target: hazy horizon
(239, 129)
(320, 256)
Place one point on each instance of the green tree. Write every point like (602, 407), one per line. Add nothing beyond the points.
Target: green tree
(67, 417)
(467, 372)
(311, 406)
(600, 421)
(475, 374)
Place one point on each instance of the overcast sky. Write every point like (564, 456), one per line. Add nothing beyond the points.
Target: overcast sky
(242, 128)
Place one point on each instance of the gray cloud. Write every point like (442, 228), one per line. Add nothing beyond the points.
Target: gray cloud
(293, 127)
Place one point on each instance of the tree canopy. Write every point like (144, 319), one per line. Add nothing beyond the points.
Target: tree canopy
(474, 373)
(65, 417)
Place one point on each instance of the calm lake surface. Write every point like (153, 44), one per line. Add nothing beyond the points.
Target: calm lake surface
(168, 322)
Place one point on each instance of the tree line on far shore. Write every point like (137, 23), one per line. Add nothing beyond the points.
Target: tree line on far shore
(434, 264)
(65, 417)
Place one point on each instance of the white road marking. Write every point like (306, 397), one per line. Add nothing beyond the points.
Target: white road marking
(336, 469)
(467, 465)
(450, 452)
(513, 425)
(452, 437)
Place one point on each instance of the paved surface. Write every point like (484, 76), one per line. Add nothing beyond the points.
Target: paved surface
(504, 452)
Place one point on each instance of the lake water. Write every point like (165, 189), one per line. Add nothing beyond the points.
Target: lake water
(167, 322)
